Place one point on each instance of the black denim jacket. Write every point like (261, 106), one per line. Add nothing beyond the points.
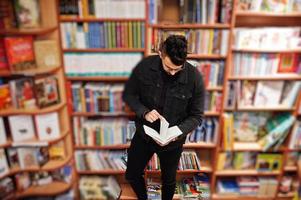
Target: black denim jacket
(184, 103)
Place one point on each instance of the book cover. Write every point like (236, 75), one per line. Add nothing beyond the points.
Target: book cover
(3, 138)
(48, 126)
(268, 162)
(19, 52)
(274, 5)
(5, 97)
(287, 62)
(46, 90)
(22, 92)
(4, 169)
(268, 93)
(21, 127)
(57, 151)
(27, 157)
(246, 127)
(13, 158)
(166, 134)
(47, 53)
(22, 181)
(27, 13)
(247, 93)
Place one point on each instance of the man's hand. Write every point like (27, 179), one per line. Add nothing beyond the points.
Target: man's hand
(152, 116)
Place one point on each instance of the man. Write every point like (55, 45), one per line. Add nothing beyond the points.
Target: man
(166, 86)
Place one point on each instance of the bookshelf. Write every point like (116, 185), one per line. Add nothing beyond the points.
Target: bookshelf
(238, 71)
(50, 156)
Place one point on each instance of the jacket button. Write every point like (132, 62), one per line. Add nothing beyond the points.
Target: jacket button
(158, 85)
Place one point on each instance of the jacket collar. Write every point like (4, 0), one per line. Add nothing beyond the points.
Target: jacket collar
(183, 76)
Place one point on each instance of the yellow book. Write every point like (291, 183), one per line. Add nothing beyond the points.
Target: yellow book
(82, 99)
(210, 45)
(130, 32)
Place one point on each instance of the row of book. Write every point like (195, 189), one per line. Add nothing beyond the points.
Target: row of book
(23, 53)
(100, 160)
(289, 6)
(99, 187)
(249, 160)
(212, 71)
(263, 64)
(200, 41)
(31, 157)
(194, 11)
(188, 161)
(269, 135)
(207, 132)
(295, 142)
(97, 97)
(267, 38)
(24, 128)
(269, 94)
(102, 8)
(103, 35)
(29, 93)
(100, 64)
(195, 187)
(99, 132)
(213, 101)
(248, 186)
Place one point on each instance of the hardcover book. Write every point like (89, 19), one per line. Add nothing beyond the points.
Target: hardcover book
(3, 138)
(27, 13)
(46, 90)
(4, 169)
(21, 127)
(47, 126)
(19, 51)
(47, 53)
(5, 97)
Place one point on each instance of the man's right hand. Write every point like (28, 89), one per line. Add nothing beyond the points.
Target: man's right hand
(152, 116)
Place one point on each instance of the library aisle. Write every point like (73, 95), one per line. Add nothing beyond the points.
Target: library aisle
(65, 130)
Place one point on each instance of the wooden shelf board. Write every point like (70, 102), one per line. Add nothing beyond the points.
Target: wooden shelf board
(35, 111)
(51, 189)
(233, 197)
(266, 51)
(205, 56)
(94, 19)
(211, 113)
(189, 26)
(55, 164)
(6, 144)
(105, 114)
(127, 192)
(216, 88)
(199, 145)
(266, 14)
(101, 172)
(289, 195)
(31, 31)
(290, 168)
(188, 171)
(255, 109)
(30, 72)
(267, 78)
(99, 78)
(93, 50)
(117, 146)
(37, 142)
(245, 172)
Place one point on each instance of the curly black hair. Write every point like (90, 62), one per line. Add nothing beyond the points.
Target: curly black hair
(175, 47)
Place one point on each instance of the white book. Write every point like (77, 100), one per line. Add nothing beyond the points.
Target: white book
(4, 169)
(21, 127)
(166, 134)
(48, 126)
(3, 138)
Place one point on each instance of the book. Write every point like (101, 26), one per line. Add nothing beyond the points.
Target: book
(47, 126)
(22, 92)
(27, 157)
(19, 52)
(287, 62)
(5, 97)
(290, 92)
(268, 93)
(166, 134)
(27, 13)
(46, 53)
(13, 158)
(4, 169)
(21, 127)
(3, 138)
(23, 181)
(3, 60)
(46, 90)
(268, 162)
(247, 93)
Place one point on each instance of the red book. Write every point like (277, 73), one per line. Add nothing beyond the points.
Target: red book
(287, 62)
(20, 53)
(3, 60)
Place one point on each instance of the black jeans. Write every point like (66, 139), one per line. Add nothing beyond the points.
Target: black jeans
(140, 152)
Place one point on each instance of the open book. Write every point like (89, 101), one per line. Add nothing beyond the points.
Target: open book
(166, 134)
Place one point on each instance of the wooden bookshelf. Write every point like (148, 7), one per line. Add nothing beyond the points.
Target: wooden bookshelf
(189, 26)
(94, 19)
(106, 147)
(268, 78)
(127, 192)
(233, 197)
(101, 172)
(246, 173)
(98, 78)
(104, 114)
